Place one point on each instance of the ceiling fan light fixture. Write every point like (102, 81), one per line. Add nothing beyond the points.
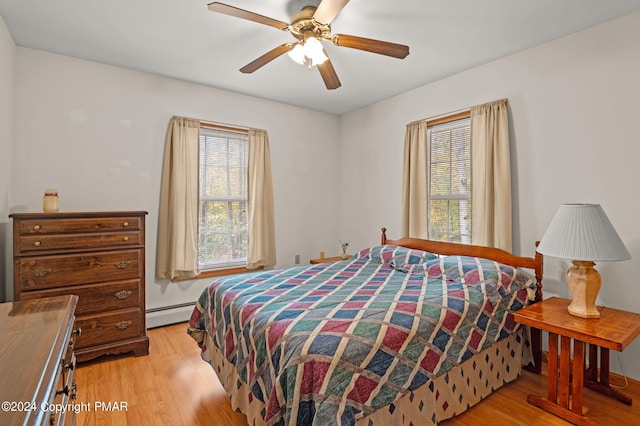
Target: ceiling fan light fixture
(309, 53)
(297, 54)
(313, 50)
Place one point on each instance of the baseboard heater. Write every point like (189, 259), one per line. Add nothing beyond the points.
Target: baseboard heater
(167, 315)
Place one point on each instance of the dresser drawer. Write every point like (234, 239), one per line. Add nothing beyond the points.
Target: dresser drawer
(43, 226)
(39, 273)
(95, 298)
(110, 327)
(32, 244)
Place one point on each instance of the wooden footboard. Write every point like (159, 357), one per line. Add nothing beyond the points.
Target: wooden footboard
(448, 249)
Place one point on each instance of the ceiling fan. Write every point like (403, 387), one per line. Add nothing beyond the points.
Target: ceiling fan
(310, 26)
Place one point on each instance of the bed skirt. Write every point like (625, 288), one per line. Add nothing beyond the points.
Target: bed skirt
(441, 398)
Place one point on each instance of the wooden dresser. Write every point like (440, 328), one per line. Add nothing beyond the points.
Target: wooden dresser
(37, 361)
(99, 256)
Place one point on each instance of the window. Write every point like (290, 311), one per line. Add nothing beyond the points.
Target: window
(222, 216)
(449, 185)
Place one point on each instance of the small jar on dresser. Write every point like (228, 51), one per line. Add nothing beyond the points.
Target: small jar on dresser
(98, 256)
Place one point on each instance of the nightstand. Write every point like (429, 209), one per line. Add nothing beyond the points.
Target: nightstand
(327, 259)
(615, 329)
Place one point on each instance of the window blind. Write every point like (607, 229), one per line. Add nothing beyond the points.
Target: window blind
(223, 198)
(450, 181)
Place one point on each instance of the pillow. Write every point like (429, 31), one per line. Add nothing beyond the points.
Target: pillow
(473, 271)
(395, 256)
(493, 279)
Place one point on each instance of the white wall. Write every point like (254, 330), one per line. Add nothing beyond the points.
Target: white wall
(97, 134)
(575, 138)
(7, 65)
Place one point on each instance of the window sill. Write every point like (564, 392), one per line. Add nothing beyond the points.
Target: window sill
(220, 272)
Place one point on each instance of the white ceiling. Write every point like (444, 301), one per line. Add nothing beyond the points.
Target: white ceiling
(182, 39)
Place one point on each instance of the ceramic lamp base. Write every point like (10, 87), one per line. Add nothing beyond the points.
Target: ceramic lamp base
(584, 284)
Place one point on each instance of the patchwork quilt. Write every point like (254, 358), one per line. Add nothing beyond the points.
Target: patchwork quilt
(331, 343)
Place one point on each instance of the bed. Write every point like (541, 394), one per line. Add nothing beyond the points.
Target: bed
(406, 332)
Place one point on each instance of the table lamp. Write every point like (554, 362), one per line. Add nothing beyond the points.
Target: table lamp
(583, 234)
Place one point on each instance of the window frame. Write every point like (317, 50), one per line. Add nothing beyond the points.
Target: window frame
(230, 268)
(450, 118)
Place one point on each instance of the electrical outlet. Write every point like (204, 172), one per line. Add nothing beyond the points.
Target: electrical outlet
(297, 259)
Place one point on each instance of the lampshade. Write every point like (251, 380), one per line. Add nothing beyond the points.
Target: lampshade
(582, 232)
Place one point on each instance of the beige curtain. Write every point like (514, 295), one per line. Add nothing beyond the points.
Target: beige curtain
(262, 240)
(491, 175)
(414, 182)
(178, 218)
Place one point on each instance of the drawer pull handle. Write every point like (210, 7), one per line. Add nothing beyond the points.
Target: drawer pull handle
(122, 264)
(125, 224)
(77, 331)
(123, 325)
(37, 244)
(64, 390)
(122, 294)
(37, 227)
(126, 238)
(41, 272)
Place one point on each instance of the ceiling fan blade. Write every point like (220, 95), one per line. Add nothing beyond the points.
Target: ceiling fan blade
(245, 14)
(399, 51)
(328, 74)
(266, 58)
(327, 10)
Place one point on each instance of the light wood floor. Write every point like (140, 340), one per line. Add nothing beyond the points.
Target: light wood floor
(173, 386)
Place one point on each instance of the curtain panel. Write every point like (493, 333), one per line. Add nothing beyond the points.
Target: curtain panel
(177, 251)
(262, 241)
(415, 182)
(491, 175)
